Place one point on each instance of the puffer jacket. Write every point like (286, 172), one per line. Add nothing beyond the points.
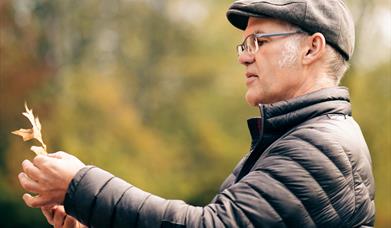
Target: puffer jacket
(308, 166)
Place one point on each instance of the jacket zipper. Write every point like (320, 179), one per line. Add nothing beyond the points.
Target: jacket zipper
(255, 153)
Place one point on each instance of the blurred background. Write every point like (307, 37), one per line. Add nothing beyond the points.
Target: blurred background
(151, 91)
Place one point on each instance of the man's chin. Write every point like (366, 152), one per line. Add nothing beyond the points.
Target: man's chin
(253, 100)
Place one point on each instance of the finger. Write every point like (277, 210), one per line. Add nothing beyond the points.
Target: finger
(48, 212)
(59, 217)
(70, 222)
(32, 171)
(29, 184)
(40, 160)
(59, 155)
(37, 201)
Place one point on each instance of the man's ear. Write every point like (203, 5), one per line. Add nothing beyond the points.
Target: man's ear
(315, 48)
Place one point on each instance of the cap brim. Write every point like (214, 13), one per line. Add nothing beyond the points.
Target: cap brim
(239, 18)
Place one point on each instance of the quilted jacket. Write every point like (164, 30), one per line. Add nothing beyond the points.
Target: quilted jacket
(308, 166)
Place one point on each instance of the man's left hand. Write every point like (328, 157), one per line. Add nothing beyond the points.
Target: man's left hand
(56, 216)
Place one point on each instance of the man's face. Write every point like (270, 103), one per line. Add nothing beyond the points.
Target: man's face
(274, 73)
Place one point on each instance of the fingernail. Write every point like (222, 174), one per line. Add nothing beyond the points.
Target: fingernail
(25, 196)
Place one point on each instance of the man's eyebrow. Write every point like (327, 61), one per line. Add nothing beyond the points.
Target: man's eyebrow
(258, 31)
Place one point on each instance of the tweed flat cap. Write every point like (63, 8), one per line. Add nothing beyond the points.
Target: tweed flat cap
(330, 17)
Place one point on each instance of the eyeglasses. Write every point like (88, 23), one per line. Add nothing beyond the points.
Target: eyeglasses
(251, 43)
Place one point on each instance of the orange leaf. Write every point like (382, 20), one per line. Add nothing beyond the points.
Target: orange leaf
(27, 134)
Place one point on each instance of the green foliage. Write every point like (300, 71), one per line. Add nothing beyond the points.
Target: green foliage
(13, 212)
(371, 96)
(149, 90)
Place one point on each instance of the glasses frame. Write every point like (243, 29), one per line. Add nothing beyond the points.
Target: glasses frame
(243, 47)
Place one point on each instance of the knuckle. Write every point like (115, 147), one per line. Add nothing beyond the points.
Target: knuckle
(23, 184)
(32, 186)
(59, 153)
(37, 160)
(27, 169)
(25, 163)
(23, 181)
(28, 187)
(46, 188)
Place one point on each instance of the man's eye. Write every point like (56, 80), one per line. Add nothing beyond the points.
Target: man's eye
(261, 42)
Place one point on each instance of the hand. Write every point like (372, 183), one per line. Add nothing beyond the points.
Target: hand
(56, 216)
(48, 177)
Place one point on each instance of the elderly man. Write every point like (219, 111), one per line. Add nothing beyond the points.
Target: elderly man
(308, 165)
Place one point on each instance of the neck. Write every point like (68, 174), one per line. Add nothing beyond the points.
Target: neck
(314, 80)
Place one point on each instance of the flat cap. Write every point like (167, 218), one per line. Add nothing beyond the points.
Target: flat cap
(330, 17)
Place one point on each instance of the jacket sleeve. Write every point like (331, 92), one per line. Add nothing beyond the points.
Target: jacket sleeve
(98, 199)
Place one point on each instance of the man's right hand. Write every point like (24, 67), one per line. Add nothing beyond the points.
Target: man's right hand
(48, 177)
(56, 216)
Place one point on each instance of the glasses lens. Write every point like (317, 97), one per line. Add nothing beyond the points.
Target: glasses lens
(240, 49)
(252, 44)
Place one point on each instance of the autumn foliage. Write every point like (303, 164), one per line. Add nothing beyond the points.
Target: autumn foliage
(151, 90)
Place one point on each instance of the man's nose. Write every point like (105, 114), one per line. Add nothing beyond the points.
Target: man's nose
(246, 59)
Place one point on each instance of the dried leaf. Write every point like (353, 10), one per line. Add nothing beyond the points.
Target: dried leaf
(34, 133)
(27, 134)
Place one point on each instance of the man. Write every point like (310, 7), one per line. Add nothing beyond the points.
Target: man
(308, 166)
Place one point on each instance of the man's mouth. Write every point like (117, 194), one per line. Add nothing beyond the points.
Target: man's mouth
(250, 77)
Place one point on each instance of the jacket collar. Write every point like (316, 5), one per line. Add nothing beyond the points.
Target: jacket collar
(283, 115)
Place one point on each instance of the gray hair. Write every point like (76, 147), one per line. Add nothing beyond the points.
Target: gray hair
(336, 65)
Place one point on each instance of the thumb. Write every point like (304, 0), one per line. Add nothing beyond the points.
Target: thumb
(36, 201)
